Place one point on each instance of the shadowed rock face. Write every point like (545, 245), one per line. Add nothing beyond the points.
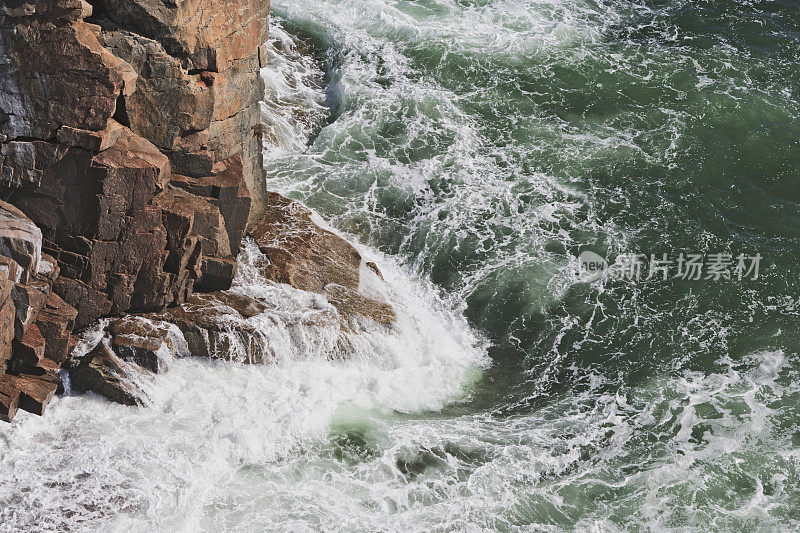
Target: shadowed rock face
(35, 324)
(128, 142)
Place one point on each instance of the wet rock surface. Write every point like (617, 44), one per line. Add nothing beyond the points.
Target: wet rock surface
(311, 258)
(300, 252)
(215, 325)
(105, 373)
(130, 158)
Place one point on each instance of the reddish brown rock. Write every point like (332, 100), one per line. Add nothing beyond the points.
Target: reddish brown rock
(201, 64)
(30, 349)
(228, 192)
(168, 100)
(9, 269)
(94, 141)
(311, 258)
(9, 401)
(352, 305)
(20, 240)
(35, 393)
(59, 75)
(102, 226)
(7, 314)
(73, 154)
(300, 252)
(191, 219)
(55, 322)
(28, 301)
(92, 120)
(142, 341)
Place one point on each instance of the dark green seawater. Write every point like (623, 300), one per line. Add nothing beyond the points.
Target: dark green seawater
(484, 145)
(474, 149)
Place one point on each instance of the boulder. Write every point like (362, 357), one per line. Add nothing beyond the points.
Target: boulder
(352, 305)
(101, 371)
(300, 252)
(143, 342)
(35, 393)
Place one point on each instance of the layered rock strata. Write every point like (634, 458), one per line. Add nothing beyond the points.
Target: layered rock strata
(127, 145)
(130, 155)
(35, 323)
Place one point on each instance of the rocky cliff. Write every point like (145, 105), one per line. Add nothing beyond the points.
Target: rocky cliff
(129, 151)
(130, 170)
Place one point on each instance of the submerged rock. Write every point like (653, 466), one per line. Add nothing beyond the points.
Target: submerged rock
(352, 305)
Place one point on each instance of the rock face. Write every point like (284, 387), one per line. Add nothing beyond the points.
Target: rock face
(198, 88)
(128, 158)
(311, 258)
(35, 324)
(126, 137)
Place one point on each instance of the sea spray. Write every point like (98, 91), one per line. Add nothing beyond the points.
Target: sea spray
(211, 427)
(294, 107)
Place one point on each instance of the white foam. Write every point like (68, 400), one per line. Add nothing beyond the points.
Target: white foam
(293, 107)
(89, 461)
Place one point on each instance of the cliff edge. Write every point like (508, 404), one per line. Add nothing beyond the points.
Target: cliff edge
(129, 161)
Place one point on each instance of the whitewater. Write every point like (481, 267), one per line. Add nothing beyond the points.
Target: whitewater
(472, 149)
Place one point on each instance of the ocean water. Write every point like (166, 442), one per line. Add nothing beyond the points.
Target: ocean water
(473, 149)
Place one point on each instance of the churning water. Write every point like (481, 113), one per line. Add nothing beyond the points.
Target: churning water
(474, 148)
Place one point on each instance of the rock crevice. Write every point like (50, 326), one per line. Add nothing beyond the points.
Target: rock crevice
(126, 148)
(131, 166)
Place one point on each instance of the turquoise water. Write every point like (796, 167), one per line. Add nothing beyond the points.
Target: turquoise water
(484, 145)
